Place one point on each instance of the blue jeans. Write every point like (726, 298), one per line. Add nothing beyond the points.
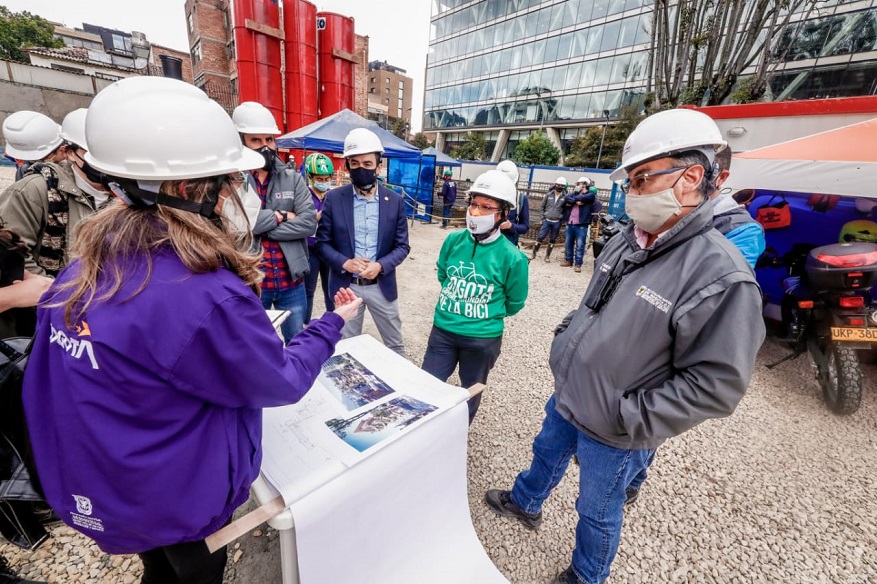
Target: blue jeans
(604, 474)
(549, 229)
(319, 269)
(575, 235)
(295, 301)
(446, 213)
(643, 474)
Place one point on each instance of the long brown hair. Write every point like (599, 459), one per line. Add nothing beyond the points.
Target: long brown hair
(111, 244)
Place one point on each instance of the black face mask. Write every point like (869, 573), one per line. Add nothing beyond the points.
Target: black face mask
(363, 178)
(269, 155)
(91, 173)
(558, 188)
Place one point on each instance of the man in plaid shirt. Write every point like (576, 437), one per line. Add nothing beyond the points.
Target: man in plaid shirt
(286, 220)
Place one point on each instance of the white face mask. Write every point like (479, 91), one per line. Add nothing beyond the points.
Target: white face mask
(650, 212)
(480, 224)
(251, 202)
(100, 197)
(234, 217)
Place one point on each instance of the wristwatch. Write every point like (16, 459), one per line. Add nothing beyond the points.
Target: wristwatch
(283, 216)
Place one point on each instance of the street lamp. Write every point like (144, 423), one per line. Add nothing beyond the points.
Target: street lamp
(603, 137)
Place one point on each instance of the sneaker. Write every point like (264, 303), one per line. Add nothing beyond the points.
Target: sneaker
(502, 504)
(577, 269)
(568, 576)
(632, 495)
(565, 264)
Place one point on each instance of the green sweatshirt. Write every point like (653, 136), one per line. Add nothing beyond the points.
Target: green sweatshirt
(481, 285)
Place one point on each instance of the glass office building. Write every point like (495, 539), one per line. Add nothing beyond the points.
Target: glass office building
(505, 68)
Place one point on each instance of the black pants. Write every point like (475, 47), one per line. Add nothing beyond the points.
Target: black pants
(183, 563)
(475, 356)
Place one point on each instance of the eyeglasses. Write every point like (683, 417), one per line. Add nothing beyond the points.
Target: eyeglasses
(638, 183)
(486, 208)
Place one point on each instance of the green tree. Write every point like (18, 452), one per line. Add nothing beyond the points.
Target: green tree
(586, 148)
(19, 30)
(473, 148)
(536, 149)
(694, 57)
(399, 127)
(421, 141)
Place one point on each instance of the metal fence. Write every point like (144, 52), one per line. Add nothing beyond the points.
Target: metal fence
(222, 93)
(535, 193)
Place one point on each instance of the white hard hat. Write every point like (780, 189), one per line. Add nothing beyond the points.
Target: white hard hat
(560, 181)
(496, 185)
(254, 118)
(156, 128)
(362, 141)
(510, 169)
(73, 128)
(584, 179)
(668, 133)
(30, 135)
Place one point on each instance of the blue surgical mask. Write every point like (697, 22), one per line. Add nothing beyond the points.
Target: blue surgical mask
(322, 186)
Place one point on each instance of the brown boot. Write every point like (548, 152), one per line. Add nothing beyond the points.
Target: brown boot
(577, 269)
(565, 264)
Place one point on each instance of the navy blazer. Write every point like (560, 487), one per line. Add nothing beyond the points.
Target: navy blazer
(335, 237)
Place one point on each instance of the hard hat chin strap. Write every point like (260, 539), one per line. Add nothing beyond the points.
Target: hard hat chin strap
(137, 193)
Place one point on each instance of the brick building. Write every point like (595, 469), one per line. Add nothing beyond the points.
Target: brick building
(108, 53)
(390, 87)
(361, 83)
(211, 49)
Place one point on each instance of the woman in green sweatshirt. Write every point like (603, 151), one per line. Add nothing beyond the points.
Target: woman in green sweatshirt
(484, 279)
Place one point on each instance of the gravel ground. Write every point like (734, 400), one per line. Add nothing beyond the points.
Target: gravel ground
(780, 492)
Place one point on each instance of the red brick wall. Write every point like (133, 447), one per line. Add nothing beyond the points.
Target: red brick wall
(157, 51)
(212, 28)
(361, 72)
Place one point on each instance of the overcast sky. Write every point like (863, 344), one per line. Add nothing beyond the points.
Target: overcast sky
(397, 35)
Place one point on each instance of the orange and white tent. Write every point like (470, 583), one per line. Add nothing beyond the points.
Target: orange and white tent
(836, 162)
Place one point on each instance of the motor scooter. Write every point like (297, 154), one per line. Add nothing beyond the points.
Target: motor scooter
(828, 313)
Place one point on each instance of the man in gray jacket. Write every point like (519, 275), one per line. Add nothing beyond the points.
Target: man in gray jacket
(665, 338)
(287, 218)
(552, 213)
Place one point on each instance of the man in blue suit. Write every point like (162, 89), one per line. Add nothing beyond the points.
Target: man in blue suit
(363, 235)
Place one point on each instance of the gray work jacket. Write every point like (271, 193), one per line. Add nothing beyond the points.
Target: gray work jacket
(287, 191)
(672, 346)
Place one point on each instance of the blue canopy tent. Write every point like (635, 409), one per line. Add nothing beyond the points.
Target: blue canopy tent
(408, 171)
(327, 135)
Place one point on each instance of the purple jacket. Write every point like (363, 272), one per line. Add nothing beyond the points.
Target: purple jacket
(146, 418)
(318, 205)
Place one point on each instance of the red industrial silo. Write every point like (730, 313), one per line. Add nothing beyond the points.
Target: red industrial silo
(300, 50)
(336, 46)
(257, 31)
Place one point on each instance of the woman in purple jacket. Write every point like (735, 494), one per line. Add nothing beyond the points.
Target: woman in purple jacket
(153, 354)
